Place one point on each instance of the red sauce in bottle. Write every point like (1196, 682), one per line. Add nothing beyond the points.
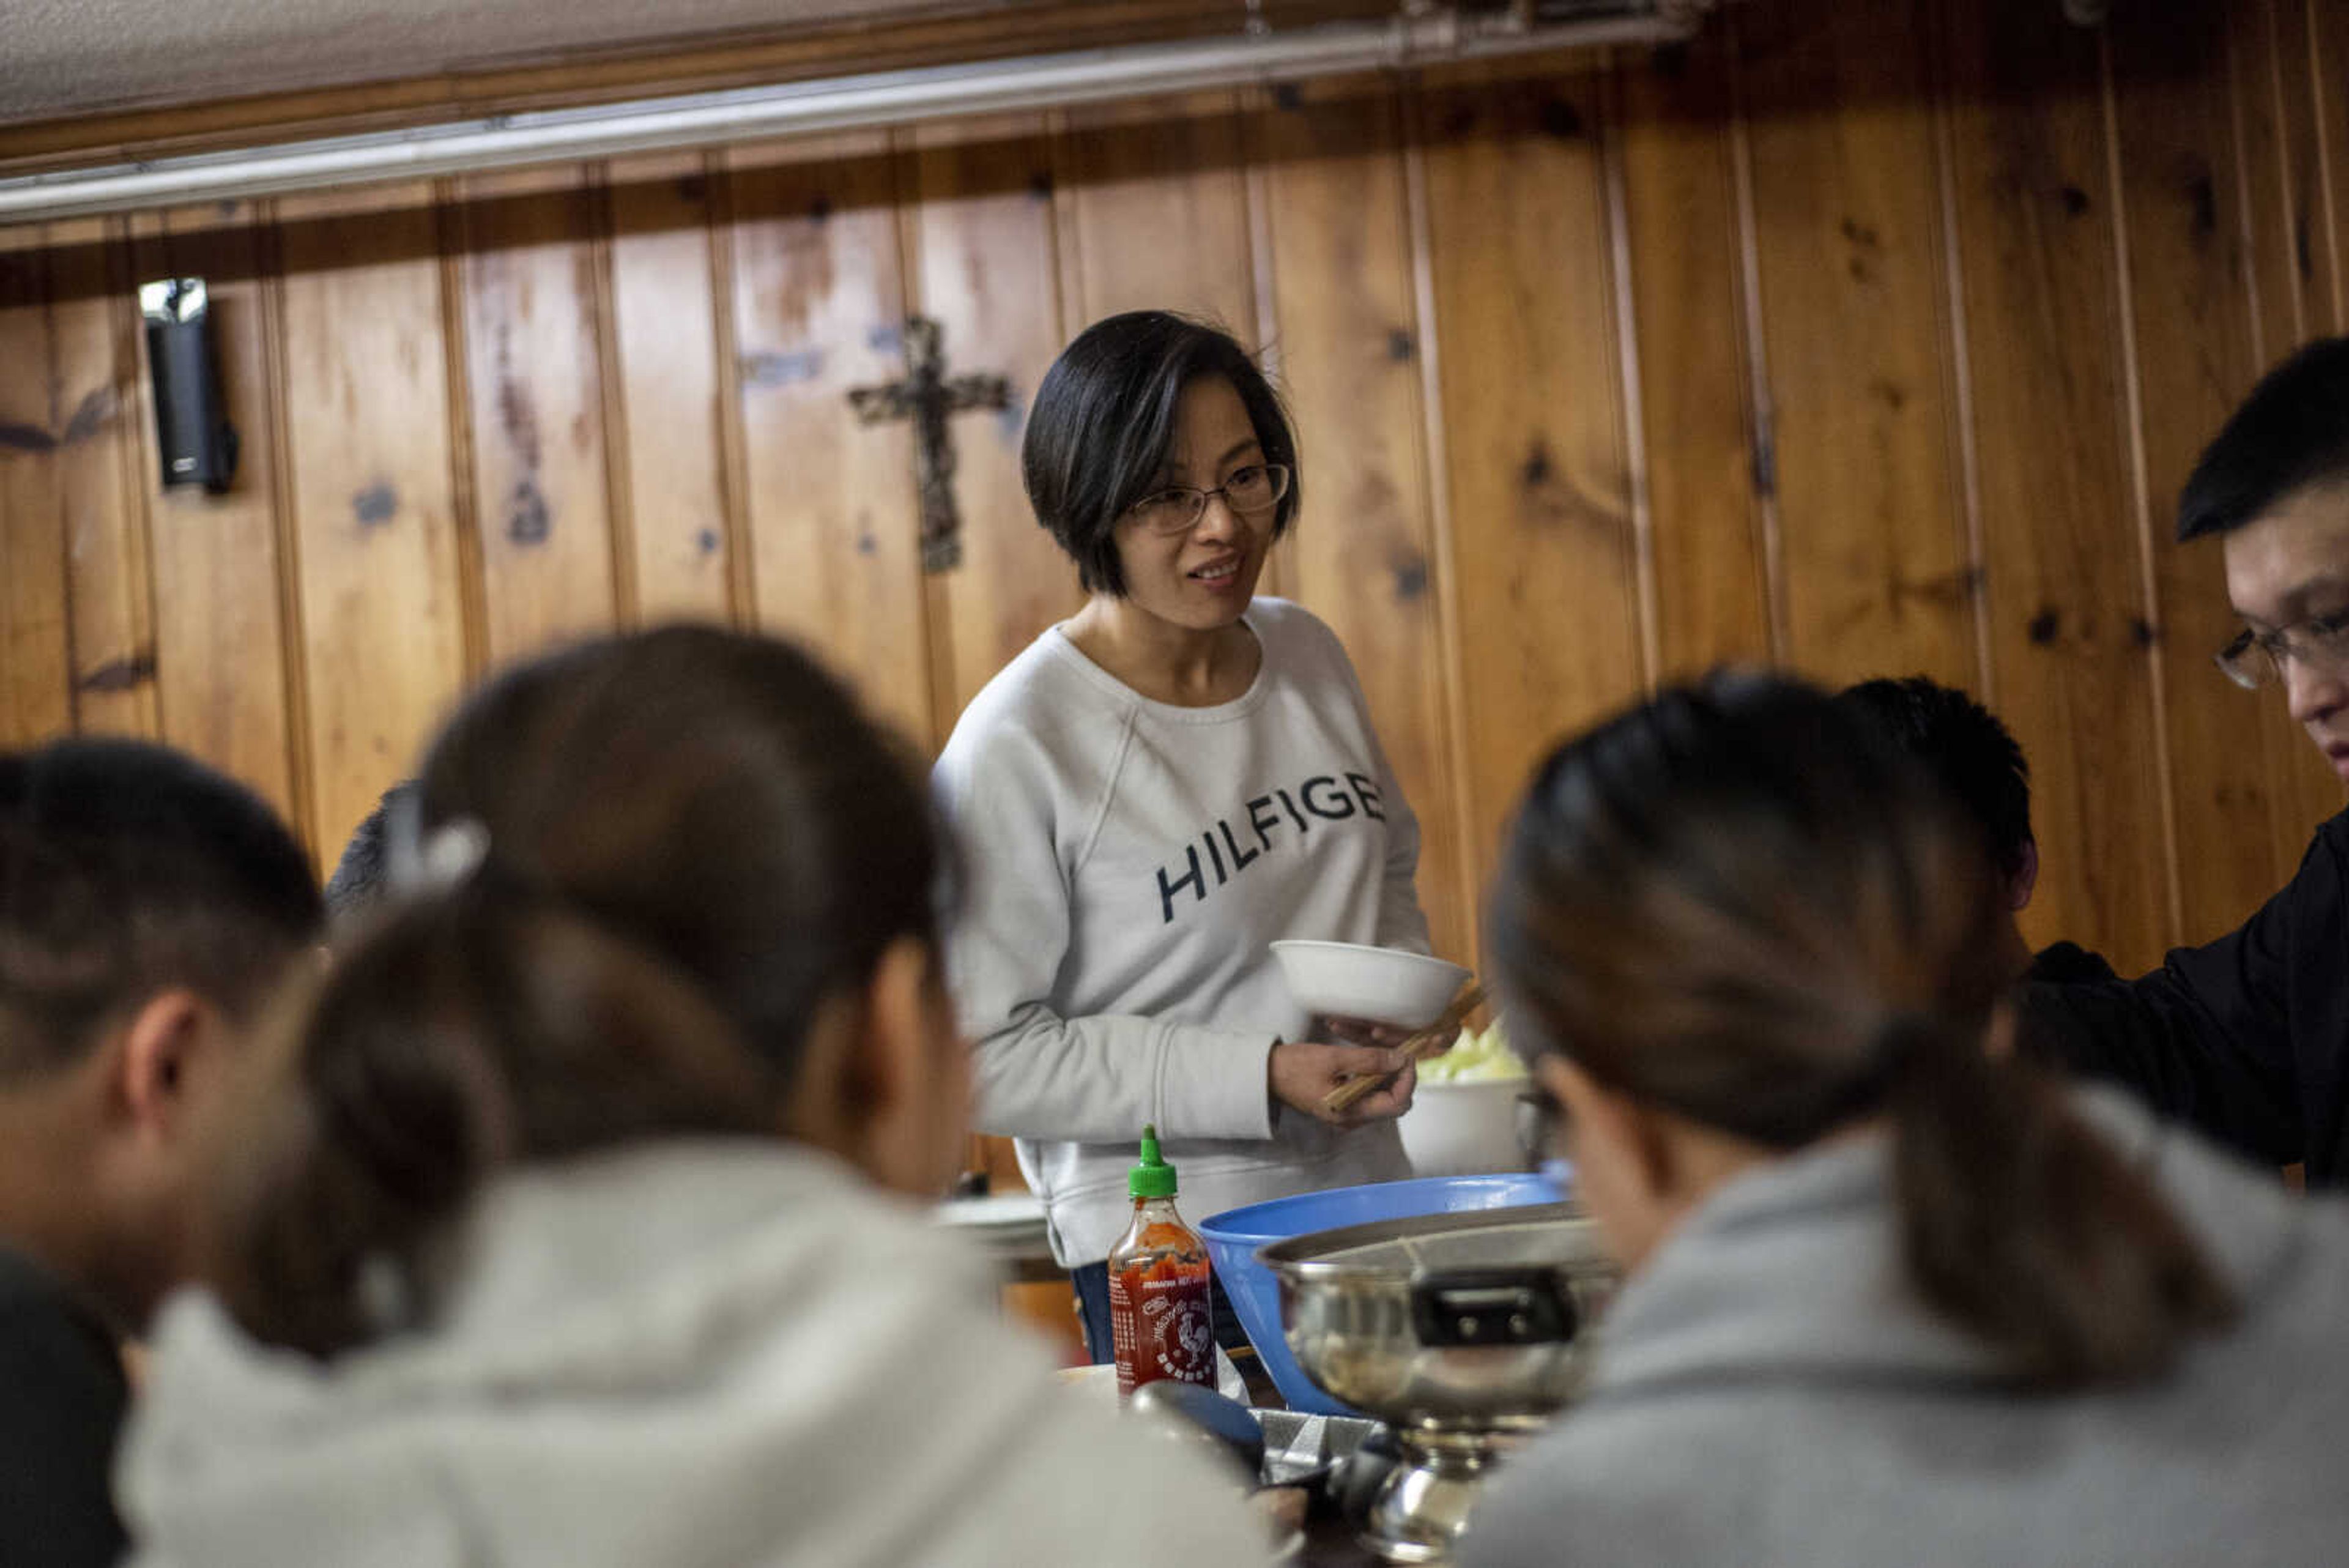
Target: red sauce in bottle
(1162, 1313)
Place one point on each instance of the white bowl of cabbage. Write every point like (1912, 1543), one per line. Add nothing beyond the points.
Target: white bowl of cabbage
(1463, 1119)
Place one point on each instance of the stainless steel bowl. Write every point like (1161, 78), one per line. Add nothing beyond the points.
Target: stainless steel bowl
(1469, 1322)
(1463, 1332)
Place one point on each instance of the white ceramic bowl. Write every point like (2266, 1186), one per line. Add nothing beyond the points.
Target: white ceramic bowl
(1463, 1129)
(1376, 985)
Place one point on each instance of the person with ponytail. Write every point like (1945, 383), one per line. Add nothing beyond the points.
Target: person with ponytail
(574, 1215)
(1891, 1300)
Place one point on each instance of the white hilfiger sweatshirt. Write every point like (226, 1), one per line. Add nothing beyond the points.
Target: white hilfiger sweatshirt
(1130, 863)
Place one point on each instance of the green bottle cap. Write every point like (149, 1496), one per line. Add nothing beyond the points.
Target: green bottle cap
(1154, 1177)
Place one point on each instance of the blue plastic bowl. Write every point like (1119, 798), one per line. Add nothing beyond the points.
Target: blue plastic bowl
(1234, 1236)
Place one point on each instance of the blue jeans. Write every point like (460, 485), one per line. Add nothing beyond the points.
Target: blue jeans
(1092, 1283)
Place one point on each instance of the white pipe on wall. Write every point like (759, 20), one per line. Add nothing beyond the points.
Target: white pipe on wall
(838, 103)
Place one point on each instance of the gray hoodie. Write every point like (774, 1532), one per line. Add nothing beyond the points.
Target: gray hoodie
(1771, 1391)
(698, 1355)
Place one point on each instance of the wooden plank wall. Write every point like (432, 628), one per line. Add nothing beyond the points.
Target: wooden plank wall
(1872, 338)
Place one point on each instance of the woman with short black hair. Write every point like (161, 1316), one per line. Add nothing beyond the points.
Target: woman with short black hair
(1106, 417)
(1154, 792)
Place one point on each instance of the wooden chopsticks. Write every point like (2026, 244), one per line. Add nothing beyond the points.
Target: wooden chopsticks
(1438, 1035)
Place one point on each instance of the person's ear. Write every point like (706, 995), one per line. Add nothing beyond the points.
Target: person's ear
(162, 1049)
(1647, 1145)
(1620, 1124)
(894, 1044)
(913, 1073)
(2023, 881)
(1561, 1078)
(1630, 1170)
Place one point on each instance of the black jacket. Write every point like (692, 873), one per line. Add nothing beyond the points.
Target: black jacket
(2068, 964)
(2247, 1038)
(62, 1396)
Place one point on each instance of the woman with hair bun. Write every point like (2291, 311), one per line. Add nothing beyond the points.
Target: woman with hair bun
(1891, 1301)
(567, 1222)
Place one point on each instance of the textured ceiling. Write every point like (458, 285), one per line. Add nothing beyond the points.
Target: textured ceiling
(68, 56)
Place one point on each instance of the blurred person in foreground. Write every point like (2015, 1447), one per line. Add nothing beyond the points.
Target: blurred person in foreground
(578, 1218)
(2247, 1037)
(1975, 756)
(1891, 1300)
(148, 908)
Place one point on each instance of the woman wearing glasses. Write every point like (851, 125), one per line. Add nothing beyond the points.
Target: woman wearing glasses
(1155, 791)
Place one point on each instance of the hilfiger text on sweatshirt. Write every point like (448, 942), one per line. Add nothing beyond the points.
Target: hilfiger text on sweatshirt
(1220, 852)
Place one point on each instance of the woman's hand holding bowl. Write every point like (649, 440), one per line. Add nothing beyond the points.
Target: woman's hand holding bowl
(1303, 1074)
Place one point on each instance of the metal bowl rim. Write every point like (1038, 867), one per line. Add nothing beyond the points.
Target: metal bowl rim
(1281, 1256)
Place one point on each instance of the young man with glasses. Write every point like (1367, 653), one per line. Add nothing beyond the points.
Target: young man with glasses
(2248, 1037)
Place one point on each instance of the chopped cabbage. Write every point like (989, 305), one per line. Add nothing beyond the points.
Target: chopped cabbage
(1474, 1058)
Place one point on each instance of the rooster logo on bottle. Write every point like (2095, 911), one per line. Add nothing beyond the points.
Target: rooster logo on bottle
(1186, 1340)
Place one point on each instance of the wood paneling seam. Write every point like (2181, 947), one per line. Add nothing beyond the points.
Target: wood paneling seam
(1256, 194)
(136, 459)
(937, 654)
(1957, 362)
(2140, 489)
(2325, 155)
(1762, 409)
(1256, 331)
(619, 496)
(1264, 333)
(450, 226)
(52, 385)
(2290, 212)
(2246, 215)
(1632, 428)
(1068, 246)
(301, 788)
(937, 605)
(1436, 468)
(733, 467)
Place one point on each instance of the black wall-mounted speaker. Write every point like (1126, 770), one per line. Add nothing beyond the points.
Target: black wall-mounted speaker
(196, 443)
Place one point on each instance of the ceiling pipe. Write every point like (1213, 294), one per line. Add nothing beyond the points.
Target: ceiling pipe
(1421, 36)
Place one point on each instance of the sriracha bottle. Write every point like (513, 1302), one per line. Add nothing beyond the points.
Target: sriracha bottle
(1162, 1320)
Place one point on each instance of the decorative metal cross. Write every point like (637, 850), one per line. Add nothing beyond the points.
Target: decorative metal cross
(926, 396)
